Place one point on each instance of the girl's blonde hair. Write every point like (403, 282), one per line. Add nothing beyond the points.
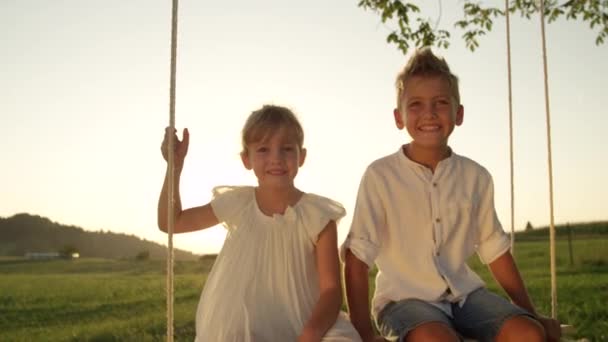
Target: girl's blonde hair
(424, 63)
(267, 120)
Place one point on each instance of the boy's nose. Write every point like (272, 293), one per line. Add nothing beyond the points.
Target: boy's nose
(431, 111)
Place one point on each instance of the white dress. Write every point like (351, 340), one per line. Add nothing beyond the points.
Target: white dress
(264, 283)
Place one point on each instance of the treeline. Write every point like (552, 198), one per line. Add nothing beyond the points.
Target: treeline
(23, 233)
(562, 231)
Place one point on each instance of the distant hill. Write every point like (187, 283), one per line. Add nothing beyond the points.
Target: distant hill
(23, 233)
(584, 230)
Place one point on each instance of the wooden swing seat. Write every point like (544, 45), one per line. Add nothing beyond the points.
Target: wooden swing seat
(566, 331)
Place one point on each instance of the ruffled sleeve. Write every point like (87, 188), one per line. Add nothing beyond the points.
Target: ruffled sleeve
(316, 213)
(228, 203)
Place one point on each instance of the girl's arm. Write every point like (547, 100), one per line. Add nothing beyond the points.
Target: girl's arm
(184, 220)
(507, 275)
(326, 310)
(188, 220)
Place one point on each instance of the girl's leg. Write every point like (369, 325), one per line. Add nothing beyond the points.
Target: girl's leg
(342, 331)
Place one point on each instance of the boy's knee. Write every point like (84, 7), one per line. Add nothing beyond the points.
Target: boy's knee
(521, 328)
(432, 331)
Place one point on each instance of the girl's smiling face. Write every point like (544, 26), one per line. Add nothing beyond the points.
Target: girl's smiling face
(275, 159)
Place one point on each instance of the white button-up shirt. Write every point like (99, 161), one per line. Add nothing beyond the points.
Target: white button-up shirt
(420, 227)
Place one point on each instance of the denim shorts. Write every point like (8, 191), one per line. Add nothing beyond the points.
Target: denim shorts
(481, 316)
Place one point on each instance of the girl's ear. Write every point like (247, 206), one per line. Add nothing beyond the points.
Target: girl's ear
(398, 119)
(245, 160)
(302, 157)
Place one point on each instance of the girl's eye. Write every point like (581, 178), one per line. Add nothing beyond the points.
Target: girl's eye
(262, 149)
(288, 148)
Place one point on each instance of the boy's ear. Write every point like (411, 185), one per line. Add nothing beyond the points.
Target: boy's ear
(302, 157)
(245, 160)
(398, 119)
(459, 115)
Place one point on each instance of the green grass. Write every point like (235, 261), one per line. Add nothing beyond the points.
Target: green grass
(114, 300)
(95, 300)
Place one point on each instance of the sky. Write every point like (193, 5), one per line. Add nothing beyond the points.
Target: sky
(85, 99)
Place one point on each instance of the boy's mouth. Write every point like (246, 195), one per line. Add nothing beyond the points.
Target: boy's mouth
(276, 172)
(428, 128)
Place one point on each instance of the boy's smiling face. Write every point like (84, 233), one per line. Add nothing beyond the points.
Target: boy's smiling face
(428, 111)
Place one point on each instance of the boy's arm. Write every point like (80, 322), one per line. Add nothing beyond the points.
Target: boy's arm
(357, 294)
(507, 275)
(326, 309)
(364, 238)
(184, 220)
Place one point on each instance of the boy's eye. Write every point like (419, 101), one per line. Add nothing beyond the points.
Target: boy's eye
(414, 104)
(442, 101)
(262, 149)
(288, 148)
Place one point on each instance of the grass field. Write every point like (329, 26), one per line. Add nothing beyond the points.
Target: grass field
(111, 300)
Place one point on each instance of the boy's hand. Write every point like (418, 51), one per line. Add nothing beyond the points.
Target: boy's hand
(181, 147)
(552, 328)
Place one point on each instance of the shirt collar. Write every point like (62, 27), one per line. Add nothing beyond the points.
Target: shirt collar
(416, 166)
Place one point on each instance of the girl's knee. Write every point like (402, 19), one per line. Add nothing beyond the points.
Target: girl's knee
(521, 328)
(433, 331)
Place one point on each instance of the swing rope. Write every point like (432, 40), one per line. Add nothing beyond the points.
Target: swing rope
(550, 165)
(510, 127)
(171, 175)
(566, 329)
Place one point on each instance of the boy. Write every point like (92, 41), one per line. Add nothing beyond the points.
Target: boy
(420, 214)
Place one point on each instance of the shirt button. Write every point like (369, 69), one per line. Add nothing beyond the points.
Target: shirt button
(434, 185)
(438, 220)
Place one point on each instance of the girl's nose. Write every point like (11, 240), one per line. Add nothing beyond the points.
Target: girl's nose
(277, 154)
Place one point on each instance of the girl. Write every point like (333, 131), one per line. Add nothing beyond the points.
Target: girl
(277, 276)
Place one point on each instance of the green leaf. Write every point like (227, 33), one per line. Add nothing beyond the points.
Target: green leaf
(478, 19)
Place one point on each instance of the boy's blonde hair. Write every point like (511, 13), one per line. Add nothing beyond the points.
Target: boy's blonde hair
(424, 63)
(267, 120)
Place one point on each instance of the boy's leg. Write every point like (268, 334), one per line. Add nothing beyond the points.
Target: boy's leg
(415, 320)
(486, 316)
(521, 328)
